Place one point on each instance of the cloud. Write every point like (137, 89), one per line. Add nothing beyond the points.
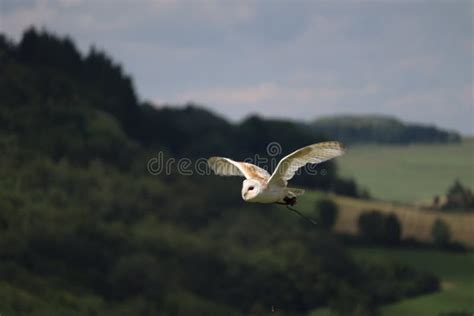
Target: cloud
(427, 64)
(16, 21)
(69, 3)
(213, 11)
(433, 100)
(267, 92)
(410, 59)
(274, 99)
(453, 105)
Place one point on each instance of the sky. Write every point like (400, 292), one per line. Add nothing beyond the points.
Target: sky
(288, 59)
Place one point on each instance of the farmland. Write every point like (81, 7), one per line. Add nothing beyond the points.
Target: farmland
(402, 179)
(416, 222)
(410, 173)
(453, 269)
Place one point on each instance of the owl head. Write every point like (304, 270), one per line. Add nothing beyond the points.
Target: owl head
(250, 189)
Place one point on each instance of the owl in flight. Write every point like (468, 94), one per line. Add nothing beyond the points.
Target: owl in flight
(261, 187)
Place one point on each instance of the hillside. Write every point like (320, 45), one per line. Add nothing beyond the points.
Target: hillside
(456, 296)
(416, 222)
(46, 80)
(411, 174)
(86, 229)
(356, 129)
(454, 269)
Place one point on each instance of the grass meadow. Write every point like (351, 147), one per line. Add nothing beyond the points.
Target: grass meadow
(453, 269)
(401, 179)
(411, 173)
(416, 222)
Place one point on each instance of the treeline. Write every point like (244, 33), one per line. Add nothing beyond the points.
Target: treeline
(458, 198)
(354, 129)
(95, 101)
(85, 229)
(378, 228)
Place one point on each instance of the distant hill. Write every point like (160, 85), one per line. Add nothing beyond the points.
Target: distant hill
(410, 174)
(379, 129)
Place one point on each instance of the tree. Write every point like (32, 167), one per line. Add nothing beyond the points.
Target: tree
(440, 233)
(392, 230)
(376, 227)
(346, 187)
(459, 197)
(327, 211)
(379, 129)
(370, 225)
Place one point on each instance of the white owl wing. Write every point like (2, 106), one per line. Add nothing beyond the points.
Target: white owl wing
(227, 167)
(315, 153)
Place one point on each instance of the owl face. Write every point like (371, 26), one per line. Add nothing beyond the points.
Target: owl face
(250, 189)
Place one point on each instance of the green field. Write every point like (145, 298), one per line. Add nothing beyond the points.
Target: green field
(409, 173)
(454, 270)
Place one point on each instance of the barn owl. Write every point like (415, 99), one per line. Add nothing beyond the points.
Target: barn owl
(261, 187)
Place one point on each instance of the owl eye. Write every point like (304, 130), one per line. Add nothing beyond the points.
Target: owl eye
(251, 188)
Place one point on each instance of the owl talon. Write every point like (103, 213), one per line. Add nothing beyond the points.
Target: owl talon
(290, 200)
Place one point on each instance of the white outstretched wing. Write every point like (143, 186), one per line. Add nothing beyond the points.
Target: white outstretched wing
(315, 153)
(228, 167)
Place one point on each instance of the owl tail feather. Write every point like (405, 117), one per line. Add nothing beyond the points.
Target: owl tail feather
(295, 192)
